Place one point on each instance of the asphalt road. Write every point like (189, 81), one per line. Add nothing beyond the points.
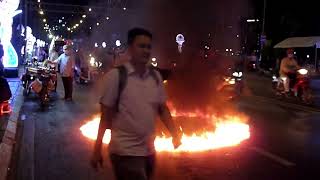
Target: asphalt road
(284, 143)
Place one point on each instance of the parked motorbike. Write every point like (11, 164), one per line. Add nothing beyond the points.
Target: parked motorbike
(82, 75)
(299, 86)
(231, 85)
(41, 80)
(27, 78)
(252, 66)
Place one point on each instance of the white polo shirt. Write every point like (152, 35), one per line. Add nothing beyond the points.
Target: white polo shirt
(133, 127)
(67, 64)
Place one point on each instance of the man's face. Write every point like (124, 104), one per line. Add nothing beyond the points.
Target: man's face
(66, 51)
(140, 49)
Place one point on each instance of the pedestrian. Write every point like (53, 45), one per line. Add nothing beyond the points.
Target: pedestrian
(67, 64)
(133, 97)
(53, 56)
(5, 92)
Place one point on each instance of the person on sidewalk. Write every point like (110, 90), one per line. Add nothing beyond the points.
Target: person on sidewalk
(67, 65)
(53, 56)
(133, 97)
(5, 94)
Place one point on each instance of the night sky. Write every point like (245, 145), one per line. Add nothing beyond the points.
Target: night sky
(284, 18)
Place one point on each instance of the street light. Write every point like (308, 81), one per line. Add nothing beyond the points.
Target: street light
(118, 43)
(104, 44)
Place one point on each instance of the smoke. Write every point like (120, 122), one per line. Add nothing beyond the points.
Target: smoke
(216, 23)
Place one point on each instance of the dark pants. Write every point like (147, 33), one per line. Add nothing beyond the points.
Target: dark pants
(133, 167)
(68, 86)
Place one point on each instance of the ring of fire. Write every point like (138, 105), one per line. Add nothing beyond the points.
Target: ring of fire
(229, 131)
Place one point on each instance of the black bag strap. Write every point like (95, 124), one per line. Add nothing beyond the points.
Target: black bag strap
(122, 83)
(123, 77)
(153, 73)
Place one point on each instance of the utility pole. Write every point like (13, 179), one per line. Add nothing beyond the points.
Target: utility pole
(264, 16)
(25, 28)
(263, 36)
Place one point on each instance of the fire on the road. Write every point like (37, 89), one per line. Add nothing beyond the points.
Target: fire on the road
(229, 131)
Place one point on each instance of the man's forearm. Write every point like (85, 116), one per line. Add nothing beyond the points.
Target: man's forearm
(166, 118)
(106, 116)
(101, 131)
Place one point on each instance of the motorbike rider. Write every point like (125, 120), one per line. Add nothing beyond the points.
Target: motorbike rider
(288, 68)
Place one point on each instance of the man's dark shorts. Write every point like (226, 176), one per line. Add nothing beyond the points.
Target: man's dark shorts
(133, 167)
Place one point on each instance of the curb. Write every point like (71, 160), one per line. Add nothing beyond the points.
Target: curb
(9, 138)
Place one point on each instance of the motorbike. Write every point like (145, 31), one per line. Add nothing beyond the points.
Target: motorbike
(27, 78)
(252, 66)
(96, 69)
(299, 86)
(82, 75)
(231, 85)
(41, 80)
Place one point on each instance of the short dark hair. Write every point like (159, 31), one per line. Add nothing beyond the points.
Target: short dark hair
(133, 33)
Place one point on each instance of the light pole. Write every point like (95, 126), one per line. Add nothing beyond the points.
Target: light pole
(264, 16)
(262, 36)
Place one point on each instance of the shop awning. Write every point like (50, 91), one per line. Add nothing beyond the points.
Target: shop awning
(299, 42)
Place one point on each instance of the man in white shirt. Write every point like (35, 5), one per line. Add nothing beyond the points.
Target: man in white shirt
(67, 64)
(131, 113)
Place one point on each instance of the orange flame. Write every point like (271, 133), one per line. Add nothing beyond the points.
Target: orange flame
(230, 131)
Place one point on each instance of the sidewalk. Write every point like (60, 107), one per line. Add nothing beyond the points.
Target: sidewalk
(8, 126)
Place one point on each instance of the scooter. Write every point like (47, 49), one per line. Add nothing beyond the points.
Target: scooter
(82, 75)
(231, 86)
(299, 86)
(43, 83)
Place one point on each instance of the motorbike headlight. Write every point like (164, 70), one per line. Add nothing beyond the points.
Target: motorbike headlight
(240, 74)
(303, 71)
(31, 77)
(232, 81)
(235, 74)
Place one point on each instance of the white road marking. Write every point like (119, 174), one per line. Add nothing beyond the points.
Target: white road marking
(273, 157)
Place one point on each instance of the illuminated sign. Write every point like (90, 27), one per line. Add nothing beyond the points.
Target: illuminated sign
(8, 9)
